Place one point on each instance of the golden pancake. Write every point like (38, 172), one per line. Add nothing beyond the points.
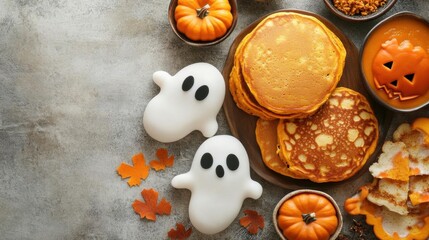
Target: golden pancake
(335, 142)
(266, 137)
(243, 100)
(291, 63)
(246, 102)
(242, 95)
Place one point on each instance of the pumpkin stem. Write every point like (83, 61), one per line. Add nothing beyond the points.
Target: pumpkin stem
(309, 217)
(203, 12)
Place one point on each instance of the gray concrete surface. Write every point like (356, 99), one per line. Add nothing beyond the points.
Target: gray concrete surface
(75, 77)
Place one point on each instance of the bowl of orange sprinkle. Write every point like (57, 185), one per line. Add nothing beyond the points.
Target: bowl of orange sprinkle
(359, 10)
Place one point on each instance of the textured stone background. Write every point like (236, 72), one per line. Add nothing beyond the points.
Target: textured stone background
(75, 77)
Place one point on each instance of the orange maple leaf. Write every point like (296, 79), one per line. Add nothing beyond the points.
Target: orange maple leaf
(181, 233)
(164, 160)
(149, 208)
(139, 171)
(252, 221)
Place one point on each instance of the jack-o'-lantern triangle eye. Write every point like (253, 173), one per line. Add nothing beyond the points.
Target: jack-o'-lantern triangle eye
(389, 64)
(394, 83)
(410, 77)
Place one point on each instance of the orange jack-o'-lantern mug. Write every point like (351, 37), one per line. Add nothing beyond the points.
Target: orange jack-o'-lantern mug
(395, 62)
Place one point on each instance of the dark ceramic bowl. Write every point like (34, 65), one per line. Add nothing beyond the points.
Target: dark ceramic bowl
(188, 41)
(304, 191)
(359, 18)
(389, 23)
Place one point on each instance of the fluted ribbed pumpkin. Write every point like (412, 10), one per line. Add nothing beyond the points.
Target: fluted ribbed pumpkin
(307, 216)
(203, 20)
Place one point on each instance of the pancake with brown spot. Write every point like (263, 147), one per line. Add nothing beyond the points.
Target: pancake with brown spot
(266, 137)
(335, 142)
(291, 63)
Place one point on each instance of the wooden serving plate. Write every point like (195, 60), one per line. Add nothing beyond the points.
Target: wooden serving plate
(243, 125)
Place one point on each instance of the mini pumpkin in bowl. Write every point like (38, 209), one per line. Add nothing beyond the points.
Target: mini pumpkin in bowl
(202, 23)
(307, 214)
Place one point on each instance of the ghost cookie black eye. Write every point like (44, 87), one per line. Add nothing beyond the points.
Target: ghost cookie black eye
(202, 92)
(206, 161)
(232, 162)
(188, 83)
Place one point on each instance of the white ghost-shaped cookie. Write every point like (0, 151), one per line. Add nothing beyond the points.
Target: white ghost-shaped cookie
(187, 101)
(219, 180)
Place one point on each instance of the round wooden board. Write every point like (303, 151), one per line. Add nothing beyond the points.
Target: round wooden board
(243, 125)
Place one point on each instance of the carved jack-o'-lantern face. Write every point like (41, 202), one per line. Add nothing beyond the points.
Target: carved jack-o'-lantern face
(402, 71)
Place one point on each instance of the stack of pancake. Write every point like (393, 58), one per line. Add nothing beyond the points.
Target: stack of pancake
(286, 67)
(286, 72)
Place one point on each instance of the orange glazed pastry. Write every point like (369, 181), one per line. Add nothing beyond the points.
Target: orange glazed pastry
(396, 203)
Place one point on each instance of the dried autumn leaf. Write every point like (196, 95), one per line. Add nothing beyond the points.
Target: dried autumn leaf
(164, 160)
(139, 171)
(252, 221)
(149, 208)
(180, 232)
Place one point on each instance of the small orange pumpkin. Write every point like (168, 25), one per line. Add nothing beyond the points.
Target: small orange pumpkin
(307, 216)
(203, 20)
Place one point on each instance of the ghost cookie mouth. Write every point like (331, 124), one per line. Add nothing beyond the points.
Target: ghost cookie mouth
(219, 171)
